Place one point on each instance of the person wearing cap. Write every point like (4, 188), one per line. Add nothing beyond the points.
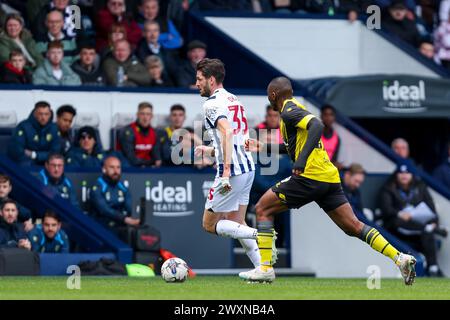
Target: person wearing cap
(53, 177)
(89, 153)
(186, 74)
(36, 137)
(398, 24)
(398, 199)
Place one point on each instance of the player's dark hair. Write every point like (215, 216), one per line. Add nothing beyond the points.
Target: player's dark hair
(41, 104)
(4, 178)
(327, 107)
(212, 68)
(177, 107)
(51, 214)
(54, 156)
(145, 105)
(66, 108)
(6, 201)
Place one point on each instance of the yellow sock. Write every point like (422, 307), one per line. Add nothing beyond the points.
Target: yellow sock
(380, 244)
(265, 249)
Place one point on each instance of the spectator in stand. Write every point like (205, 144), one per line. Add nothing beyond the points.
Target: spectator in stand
(89, 154)
(442, 42)
(48, 237)
(397, 23)
(115, 12)
(117, 32)
(400, 199)
(401, 147)
(39, 23)
(156, 70)
(169, 38)
(330, 138)
(224, 5)
(353, 179)
(54, 178)
(150, 46)
(64, 120)
(353, 8)
(110, 200)
(271, 124)
(16, 37)
(442, 172)
(186, 73)
(444, 9)
(54, 26)
(176, 121)
(426, 48)
(54, 71)
(24, 213)
(13, 71)
(87, 67)
(36, 137)
(139, 142)
(12, 234)
(123, 68)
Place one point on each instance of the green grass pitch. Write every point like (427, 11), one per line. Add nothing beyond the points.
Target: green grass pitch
(219, 287)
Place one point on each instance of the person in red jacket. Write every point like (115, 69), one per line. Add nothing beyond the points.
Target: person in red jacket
(138, 141)
(13, 71)
(115, 12)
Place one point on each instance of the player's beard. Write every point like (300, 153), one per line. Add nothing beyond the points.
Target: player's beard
(206, 90)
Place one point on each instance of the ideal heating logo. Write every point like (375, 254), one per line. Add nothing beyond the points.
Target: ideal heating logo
(404, 98)
(170, 201)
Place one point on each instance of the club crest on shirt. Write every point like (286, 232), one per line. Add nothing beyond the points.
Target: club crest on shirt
(211, 113)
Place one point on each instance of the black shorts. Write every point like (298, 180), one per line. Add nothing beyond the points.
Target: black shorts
(296, 191)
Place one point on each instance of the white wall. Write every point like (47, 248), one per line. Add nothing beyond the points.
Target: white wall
(313, 48)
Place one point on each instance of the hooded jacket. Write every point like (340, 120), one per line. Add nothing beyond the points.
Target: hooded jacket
(29, 134)
(94, 77)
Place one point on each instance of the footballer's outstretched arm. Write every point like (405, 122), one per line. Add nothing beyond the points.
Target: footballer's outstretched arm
(226, 145)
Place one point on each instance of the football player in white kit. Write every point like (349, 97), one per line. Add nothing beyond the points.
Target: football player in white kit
(225, 121)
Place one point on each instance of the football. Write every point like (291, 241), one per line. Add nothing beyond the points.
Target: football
(174, 270)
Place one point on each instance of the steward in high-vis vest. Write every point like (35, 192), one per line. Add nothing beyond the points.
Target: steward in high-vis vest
(138, 141)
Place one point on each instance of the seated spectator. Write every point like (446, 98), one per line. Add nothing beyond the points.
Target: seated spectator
(353, 9)
(110, 200)
(139, 142)
(397, 23)
(170, 37)
(115, 12)
(54, 26)
(269, 130)
(330, 139)
(24, 213)
(48, 237)
(16, 37)
(442, 172)
(399, 197)
(426, 48)
(401, 147)
(352, 181)
(36, 137)
(150, 46)
(123, 68)
(117, 32)
(39, 23)
(156, 70)
(13, 71)
(442, 42)
(88, 68)
(186, 73)
(53, 177)
(89, 154)
(54, 71)
(12, 234)
(176, 121)
(64, 120)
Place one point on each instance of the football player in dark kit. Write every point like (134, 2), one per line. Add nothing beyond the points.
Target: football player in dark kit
(314, 178)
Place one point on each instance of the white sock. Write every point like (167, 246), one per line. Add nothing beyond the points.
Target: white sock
(251, 249)
(228, 228)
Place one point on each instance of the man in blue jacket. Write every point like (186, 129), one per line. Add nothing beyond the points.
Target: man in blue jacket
(35, 137)
(89, 154)
(53, 176)
(48, 237)
(110, 199)
(12, 234)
